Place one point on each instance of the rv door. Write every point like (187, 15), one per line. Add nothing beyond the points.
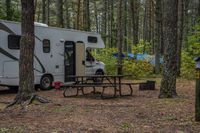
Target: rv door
(80, 59)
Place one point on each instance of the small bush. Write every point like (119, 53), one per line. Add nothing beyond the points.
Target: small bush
(187, 66)
(130, 66)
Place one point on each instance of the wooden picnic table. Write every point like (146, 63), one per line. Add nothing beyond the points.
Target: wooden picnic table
(112, 81)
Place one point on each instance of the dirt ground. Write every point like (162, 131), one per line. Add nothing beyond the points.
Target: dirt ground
(141, 113)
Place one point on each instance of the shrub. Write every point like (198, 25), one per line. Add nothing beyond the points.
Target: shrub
(130, 66)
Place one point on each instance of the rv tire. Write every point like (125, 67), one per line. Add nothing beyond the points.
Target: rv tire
(13, 88)
(46, 82)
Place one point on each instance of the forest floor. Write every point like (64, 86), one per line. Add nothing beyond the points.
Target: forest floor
(141, 113)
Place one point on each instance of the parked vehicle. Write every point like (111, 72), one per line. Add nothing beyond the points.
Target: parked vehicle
(58, 53)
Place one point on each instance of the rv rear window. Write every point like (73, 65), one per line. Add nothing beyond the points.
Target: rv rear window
(92, 39)
(14, 41)
(46, 46)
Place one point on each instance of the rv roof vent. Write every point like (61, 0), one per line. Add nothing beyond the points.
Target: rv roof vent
(40, 24)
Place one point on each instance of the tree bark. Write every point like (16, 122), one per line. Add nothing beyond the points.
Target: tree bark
(180, 35)
(135, 20)
(86, 16)
(67, 14)
(120, 36)
(44, 11)
(59, 13)
(104, 21)
(125, 26)
(96, 16)
(27, 45)
(158, 35)
(47, 11)
(168, 83)
(9, 11)
(111, 41)
(78, 15)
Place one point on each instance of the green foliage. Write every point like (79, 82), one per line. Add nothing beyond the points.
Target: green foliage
(187, 66)
(106, 56)
(194, 42)
(137, 68)
(14, 11)
(141, 47)
(4, 130)
(126, 125)
(2, 11)
(189, 53)
(130, 66)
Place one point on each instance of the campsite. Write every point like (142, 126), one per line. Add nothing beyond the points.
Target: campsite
(143, 112)
(99, 66)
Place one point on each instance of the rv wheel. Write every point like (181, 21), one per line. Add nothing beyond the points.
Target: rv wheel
(46, 82)
(13, 88)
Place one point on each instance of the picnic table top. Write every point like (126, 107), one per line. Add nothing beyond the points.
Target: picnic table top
(97, 76)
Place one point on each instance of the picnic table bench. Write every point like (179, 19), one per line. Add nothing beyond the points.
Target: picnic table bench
(81, 82)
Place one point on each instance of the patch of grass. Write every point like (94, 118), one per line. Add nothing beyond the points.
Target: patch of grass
(67, 108)
(180, 132)
(4, 130)
(126, 125)
(18, 129)
(2, 106)
(170, 118)
(171, 101)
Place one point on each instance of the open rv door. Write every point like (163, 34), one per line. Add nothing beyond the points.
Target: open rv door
(80, 59)
(74, 59)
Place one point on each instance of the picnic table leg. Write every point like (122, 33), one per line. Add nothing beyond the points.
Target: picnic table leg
(82, 89)
(120, 87)
(77, 91)
(94, 90)
(102, 92)
(131, 89)
(115, 87)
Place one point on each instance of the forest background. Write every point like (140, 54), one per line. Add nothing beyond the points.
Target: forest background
(141, 21)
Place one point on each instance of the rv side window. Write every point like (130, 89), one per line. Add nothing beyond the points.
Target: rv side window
(46, 46)
(14, 41)
(92, 39)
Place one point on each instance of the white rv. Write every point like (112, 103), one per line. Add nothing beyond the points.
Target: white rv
(58, 53)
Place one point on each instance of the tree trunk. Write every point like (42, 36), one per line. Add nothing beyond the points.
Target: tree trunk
(168, 83)
(39, 12)
(67, 15)
(47, 11)
(44, 11)
(86, 15)
(104, 21)
(120, 36)
(180, 35)
(198, 14)
(135, 20)
(158, 35)
(35, 5)
(186, 23)
(59, 13)
(152, 25)
(96, 16)
(9, 11)
(78, 15)
(111, 23)
(125, 26)
(27, 45)
(129, 24)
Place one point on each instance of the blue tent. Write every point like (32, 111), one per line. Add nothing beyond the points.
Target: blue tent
(147, 57)
(116, 55)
